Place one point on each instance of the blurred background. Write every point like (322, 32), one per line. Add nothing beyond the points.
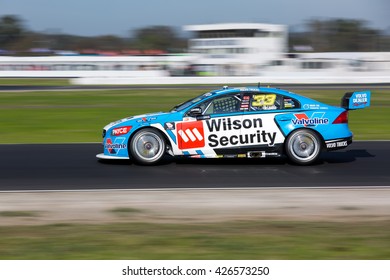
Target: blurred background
(252, 38)
(173, 42)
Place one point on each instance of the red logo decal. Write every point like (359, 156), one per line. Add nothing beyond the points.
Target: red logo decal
(301, 116)
(121, 130)
(190, 135)
(109, 146)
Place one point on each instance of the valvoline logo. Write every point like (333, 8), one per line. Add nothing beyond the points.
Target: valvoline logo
(190, 135)
(316, 118)
(114, 148)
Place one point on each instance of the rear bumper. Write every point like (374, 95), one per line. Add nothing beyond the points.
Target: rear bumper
(336, 144)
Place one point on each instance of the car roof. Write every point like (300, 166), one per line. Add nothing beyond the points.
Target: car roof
(226, 90)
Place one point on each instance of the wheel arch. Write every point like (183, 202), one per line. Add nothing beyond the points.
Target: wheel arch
(303, 146)
(305, 128)
(162, 132)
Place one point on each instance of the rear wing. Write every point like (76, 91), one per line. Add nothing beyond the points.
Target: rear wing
(356, 100)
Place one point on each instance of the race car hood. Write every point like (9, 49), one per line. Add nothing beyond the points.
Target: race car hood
(139, 118)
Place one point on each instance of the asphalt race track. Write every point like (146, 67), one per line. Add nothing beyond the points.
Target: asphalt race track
(74, 167)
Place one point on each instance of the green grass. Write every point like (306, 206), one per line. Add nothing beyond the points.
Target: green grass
(33, 82)
(18, 214)
(76, 116)
(234, 240)
(79, 116)
(125, 211)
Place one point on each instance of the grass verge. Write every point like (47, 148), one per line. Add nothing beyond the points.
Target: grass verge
(79, 116)
(18, 214)
(34, 82)
(233, 240)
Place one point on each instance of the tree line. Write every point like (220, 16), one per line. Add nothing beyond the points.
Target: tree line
(334, 35)
(15, 37)
(341, 35)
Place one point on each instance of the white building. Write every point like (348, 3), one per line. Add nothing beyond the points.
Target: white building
(236, 48)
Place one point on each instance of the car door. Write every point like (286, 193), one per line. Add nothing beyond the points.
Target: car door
(215, 132)
(260, 132)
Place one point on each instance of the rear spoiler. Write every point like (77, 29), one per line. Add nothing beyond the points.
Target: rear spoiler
(356, 100)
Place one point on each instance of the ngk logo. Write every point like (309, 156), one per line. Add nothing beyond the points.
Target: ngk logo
(190, 135)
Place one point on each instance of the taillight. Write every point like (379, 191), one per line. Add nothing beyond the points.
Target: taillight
(342, 118)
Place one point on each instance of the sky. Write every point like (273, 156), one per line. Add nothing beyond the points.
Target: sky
(121, 17)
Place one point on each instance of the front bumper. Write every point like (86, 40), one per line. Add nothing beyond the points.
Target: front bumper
(103, 156)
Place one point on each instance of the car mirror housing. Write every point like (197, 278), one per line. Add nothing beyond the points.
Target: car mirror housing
(194, 112)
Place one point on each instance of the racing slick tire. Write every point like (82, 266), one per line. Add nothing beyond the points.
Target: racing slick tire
(303, 146)
(147, 146)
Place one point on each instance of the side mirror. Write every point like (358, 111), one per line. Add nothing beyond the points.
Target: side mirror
(194, 112)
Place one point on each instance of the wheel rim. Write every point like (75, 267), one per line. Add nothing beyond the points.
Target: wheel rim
(304, 146)
(148, 146)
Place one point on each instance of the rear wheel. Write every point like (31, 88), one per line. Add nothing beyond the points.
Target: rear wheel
(303, 146)
(147, 146)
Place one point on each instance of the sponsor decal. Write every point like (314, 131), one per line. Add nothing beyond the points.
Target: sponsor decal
(249, 89)
(315, 119)
(245, 103)
(143, 119)
(244, 107)
(224, 124)
(169, 126)
(311, 106)
(288, 103)
(116, 146)
(314, 107)
(188, 119)
(224, 132)
(229, 156)
(227, 124)
(190, 135)
(339, 144)
(360, 99)
(121, 130)
(271, 107)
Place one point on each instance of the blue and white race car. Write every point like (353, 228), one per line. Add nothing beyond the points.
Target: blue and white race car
(249, 122)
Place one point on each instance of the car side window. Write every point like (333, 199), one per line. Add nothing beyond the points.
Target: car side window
(223, 105)
(290, 103)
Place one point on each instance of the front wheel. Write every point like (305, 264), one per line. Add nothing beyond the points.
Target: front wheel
(147, 146)
(303, 147)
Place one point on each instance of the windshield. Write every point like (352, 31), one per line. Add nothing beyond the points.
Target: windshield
(185, 105)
